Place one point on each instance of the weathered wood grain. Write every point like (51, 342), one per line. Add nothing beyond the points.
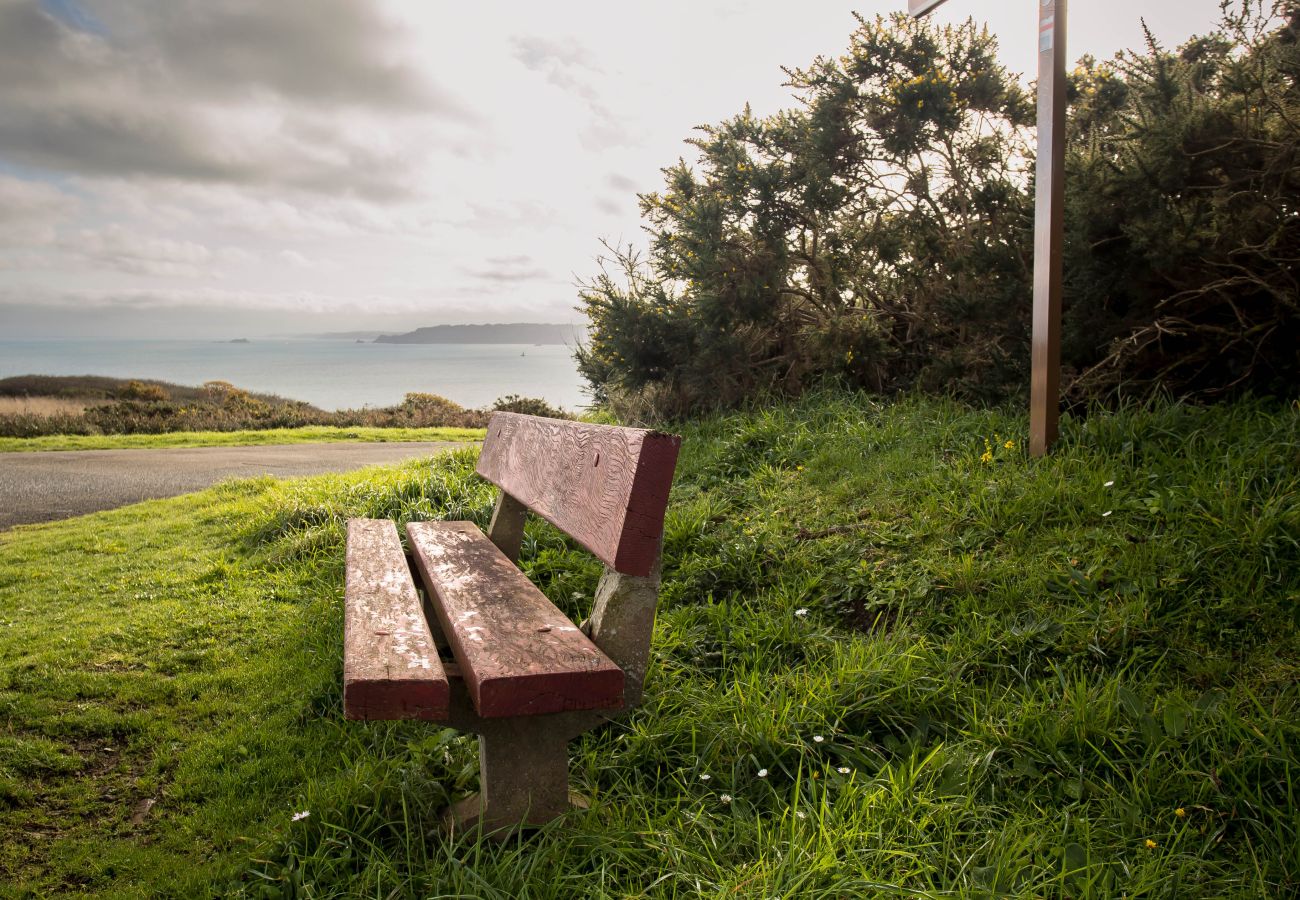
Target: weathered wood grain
(518, 654)
(390, 664)
(604, 486)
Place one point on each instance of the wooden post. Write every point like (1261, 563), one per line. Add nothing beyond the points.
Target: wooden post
(1049, 223)
(1049, 231)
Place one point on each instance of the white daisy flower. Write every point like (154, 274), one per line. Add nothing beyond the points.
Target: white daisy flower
(299, 816)
(762, 773)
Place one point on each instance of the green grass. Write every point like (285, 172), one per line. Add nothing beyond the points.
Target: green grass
(312, 434)
(1025, 669)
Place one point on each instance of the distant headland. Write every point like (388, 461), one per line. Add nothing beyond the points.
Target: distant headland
(513, 333)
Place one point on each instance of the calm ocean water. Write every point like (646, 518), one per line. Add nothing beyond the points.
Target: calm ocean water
(328, 374)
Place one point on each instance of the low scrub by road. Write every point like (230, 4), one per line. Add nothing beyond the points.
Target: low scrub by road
(317, 434)
(49, 405)
(894, 657)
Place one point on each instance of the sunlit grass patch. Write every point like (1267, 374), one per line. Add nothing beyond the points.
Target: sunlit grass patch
(883, 666)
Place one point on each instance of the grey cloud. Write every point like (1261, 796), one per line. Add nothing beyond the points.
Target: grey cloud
(496, 215)
(325, 51)
(244, 92)
(29, 211)
(120, 249)
(558, 59)
(509, 276)
(621, 191)
(509, 270)
(620, 182)
(570, 67)
(607, 130)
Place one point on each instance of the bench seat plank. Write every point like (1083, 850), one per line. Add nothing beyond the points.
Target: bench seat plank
(391, 668)
(518, 654)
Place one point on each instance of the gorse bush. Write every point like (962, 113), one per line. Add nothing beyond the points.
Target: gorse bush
(872, 233)
(529, 406)
(881, 231)
(1184, 214)
(145, 390)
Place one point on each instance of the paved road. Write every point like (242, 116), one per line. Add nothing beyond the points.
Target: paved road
(48, 485)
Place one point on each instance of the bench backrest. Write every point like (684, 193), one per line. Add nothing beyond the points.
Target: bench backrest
(605, 486)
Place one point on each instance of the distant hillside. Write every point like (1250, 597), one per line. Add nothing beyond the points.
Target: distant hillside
(103, 387)
(514, 333)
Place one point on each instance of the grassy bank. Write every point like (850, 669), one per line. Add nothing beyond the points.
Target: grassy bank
(895, 657)
(317, 434)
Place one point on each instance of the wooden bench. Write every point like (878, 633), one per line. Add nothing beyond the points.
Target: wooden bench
(483, 648)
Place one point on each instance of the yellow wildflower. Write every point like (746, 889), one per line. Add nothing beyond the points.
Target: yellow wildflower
(1180, 813)
(1151, 845)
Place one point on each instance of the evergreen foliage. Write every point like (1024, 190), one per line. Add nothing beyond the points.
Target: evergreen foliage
(881, 231)
(1184, 213)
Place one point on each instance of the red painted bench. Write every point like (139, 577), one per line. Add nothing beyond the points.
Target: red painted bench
(512, 668)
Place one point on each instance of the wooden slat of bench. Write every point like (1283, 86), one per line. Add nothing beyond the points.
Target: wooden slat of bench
(518, 654)
(391, 668)
(606, 487)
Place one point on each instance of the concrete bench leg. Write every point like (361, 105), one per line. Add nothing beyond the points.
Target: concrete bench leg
(523, 777)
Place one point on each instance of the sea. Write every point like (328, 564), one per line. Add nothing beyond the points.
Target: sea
(330, 374)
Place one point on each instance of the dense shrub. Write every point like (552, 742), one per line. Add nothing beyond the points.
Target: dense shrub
(27, 424)
(144, 390)
(1184, 214)
(529, 406)
(881, 231)
(875, 233)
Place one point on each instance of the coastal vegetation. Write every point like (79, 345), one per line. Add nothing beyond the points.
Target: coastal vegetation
(310, 434)
(94, 406)
(895, 657)
(880, 231)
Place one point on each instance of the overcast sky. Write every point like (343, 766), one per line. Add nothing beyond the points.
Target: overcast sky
(227, 168)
